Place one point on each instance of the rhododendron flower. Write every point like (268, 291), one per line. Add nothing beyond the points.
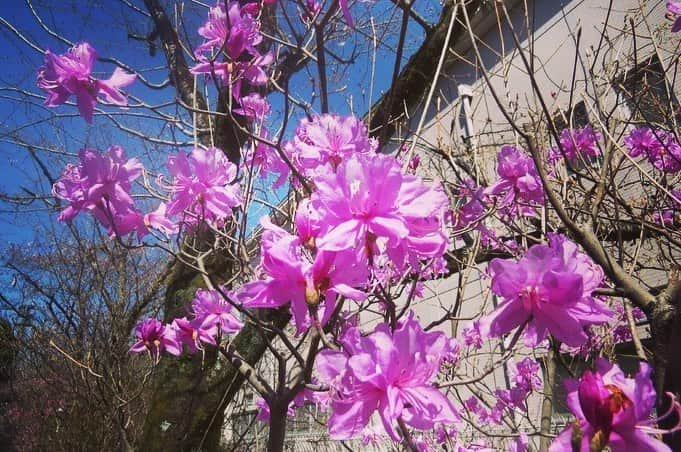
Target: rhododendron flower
(204, 185)
(369, 199)
(192, 332)
(612, 410)
(576, 144)
(264, 410)
(472, 336)
(154, 337)
(388, 372)
(210, 309)
(519, 188)
(549, 290)
(674, 9)
(235, 28)
(472, 208)
(158, 219)
(253, 106)
(660, 147)
(101, 184)
(70, 74)
(290, 277)
(237, 32)
(324, 141)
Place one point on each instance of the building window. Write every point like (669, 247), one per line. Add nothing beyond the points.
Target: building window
(573, 118)
(644, 92)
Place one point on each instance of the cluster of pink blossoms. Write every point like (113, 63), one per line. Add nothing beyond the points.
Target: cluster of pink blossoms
(233, 30)
(364, 212)
(321, 143)
(388, 372)
(69, 74)
(203, 190)
(614, 411)
(547, 291)
(204, 187)
(518, 190)
(576, 145)
(524, 380)
(101, 185)
(661, 148)
(211, 315)
(674, 10)
(290, 275)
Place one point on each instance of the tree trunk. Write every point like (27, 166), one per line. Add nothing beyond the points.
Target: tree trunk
(666, 332)
(277, 432)
(547, 403)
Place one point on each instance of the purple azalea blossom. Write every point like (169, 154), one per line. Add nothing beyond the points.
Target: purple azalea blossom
(235, 28)
(253, 106)
(193, 332)
(320, 144)
(204, 186)
(613, 410)
(237, 31)
(154, 337)
(210, 308)
(576, 144)
(661, 148)
(369, 199)
(290, 277)
(101, 184)
(159, 220)
(70, 74)
(674, 9)
(388, 372)
(519, 189)
(472, 336)
(472, 208)
(549, 291)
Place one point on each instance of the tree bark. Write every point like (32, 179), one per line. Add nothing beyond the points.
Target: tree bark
(666, 334)
(547, 403)
(277, 432)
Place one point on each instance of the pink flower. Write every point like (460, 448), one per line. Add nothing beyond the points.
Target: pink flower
(154, 337)
(193, 333)
(577, 144)
(549, 290)
(661, 148)
(237, 31)
(642, 141)
(204, 186)
(320, 144)
(388, 372)
(674, 9)
(158, 219)
(519, 189)
(254, 107)
(370, 205)
(70, 74)
(289, 277)
(235, 28)
(101, 184)
(472, 336)
(211, 309)
(613, 410)
(359, 202)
